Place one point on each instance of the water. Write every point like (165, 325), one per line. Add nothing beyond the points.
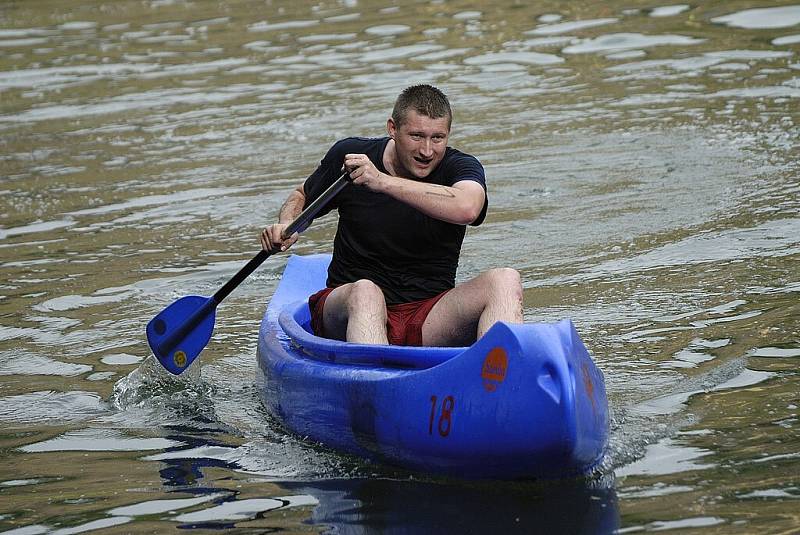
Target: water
(643, 175)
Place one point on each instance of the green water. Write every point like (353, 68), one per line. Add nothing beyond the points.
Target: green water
(643, 170)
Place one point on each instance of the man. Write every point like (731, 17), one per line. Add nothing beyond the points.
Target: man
(401, 225)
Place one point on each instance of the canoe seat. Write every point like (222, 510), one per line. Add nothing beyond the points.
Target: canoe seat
(295, 321)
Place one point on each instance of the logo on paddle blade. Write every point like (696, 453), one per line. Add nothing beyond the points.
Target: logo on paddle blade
(494, 369)
(179, 358)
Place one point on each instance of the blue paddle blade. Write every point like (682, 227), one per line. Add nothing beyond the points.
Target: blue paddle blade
(179, 333)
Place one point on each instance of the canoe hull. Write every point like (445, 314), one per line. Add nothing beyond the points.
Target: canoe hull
(525, 401)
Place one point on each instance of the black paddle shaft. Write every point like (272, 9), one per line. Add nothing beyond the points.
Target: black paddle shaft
(298, 225)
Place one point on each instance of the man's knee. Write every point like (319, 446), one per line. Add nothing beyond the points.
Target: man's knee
(364, 292)
(505, 280)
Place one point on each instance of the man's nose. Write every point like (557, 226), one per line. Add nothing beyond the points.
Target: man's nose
(426, 148)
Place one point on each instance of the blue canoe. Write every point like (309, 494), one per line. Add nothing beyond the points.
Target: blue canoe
(525, 401)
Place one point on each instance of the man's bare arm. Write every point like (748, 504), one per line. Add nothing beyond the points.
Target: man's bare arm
(293, 206)
(272, 236)
(460, 203)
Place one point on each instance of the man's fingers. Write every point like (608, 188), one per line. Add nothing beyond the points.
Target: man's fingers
(355, 161)
(268, 241)
(265, 240)
(272, 238)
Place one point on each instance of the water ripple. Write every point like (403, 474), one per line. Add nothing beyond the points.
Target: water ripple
(625, 41)
(565, 27)
(764, 18)
(51, 408)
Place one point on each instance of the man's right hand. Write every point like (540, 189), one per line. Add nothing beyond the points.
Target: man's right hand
(272, 238)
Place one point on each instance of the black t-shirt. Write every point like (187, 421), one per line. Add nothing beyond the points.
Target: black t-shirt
(410, 255)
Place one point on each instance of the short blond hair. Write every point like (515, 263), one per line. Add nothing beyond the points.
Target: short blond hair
(425, 100)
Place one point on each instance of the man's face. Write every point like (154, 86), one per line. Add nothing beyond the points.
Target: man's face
(420, 143)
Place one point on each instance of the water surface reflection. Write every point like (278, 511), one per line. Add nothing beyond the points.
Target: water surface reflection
(388, 506)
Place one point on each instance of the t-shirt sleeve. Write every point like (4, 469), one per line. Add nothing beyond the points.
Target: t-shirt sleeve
(326, 173)
(466, 167)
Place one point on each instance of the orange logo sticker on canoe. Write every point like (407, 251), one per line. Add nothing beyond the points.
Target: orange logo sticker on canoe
(588, 385)
(494, 368)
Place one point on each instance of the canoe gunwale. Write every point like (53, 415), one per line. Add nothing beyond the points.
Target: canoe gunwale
(292, 316)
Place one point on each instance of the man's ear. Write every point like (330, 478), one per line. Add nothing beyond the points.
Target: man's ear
(391, 128)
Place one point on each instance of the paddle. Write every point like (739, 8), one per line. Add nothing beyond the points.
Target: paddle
(179, 333)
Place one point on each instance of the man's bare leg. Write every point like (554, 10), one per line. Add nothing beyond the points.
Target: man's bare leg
(470, 309)
(356, 312)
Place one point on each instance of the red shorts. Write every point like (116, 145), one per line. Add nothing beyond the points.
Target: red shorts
(403, 323)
